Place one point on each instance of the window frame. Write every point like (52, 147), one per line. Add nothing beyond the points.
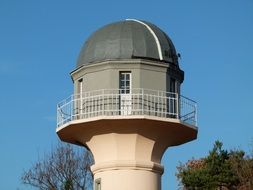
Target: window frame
(125, 82)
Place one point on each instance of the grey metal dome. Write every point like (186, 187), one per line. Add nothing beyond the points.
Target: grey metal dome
(129, 39)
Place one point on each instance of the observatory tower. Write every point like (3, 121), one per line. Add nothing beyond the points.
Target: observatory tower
(126, 107)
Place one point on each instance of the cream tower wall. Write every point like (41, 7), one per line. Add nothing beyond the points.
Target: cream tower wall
(126, 179)
(123, 161)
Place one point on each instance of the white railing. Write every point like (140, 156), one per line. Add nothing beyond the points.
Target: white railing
(111, 102)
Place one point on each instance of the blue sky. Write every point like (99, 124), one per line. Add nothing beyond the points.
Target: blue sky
(40, 42)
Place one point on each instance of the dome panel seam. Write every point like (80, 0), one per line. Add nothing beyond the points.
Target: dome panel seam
(153, 34)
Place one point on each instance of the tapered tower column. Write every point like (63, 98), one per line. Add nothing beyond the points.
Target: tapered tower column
(128, 165)
(126, 107)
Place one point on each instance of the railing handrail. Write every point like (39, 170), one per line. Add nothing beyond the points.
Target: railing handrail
(117, 89)
(139, 102)
(188, 99)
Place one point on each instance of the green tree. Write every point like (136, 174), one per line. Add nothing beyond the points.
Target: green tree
(212, 172)
(62, 169)
(243, 166)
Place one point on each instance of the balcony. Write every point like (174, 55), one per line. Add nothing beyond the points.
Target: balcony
(123, 102)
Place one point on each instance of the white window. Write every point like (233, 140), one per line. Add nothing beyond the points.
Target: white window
(125, 93)
(125, 82)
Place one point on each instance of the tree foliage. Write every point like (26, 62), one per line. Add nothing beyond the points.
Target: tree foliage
(243, 167)
(62, 169)
(219, 170)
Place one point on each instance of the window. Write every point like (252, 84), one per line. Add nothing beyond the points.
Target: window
(98, 184)
(125, 82)
(79, 96)
(80, 86)
(172, 103)
(172, 85)
(125, 93)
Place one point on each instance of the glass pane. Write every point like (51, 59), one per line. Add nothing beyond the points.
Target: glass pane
(127, 83)
(127, 76)
(122, 84)
(172, 85)
(122, 76)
